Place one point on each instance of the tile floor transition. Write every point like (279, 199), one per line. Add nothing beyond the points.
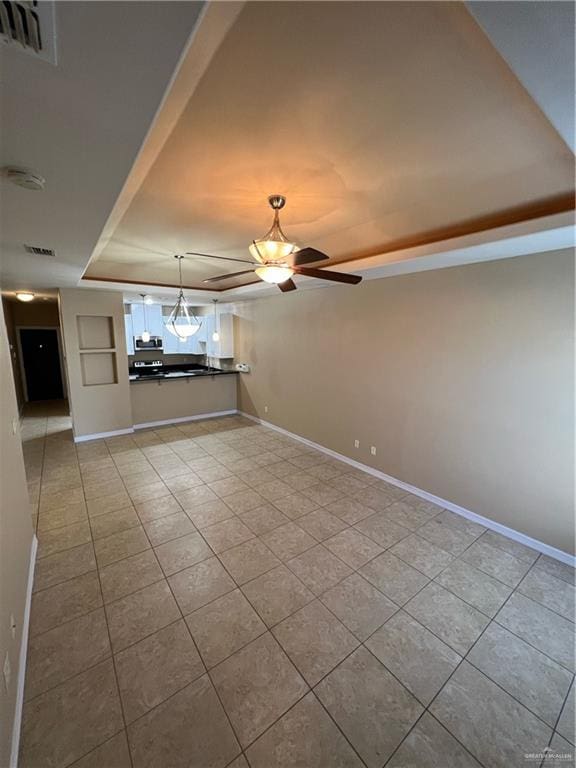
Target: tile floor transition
(216, 594)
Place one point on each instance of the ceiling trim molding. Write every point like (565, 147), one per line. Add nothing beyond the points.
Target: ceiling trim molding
(518, 215)
(125, 280)
(549, 234)
(547, 219)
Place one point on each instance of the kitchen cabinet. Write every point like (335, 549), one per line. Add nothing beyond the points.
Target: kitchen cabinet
(224, 347)
(147, 320)
(129, 333)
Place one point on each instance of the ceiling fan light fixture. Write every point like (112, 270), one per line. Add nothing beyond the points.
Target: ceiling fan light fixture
(274, 274)
(274, 246)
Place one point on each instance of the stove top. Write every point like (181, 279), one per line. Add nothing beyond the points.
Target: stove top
(148, 364)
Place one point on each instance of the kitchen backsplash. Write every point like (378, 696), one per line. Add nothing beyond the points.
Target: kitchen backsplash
(225, 365)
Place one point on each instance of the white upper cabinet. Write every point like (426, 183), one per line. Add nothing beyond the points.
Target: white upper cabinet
(199, 344)
(224, 347)
(147, 319)
(129, 333)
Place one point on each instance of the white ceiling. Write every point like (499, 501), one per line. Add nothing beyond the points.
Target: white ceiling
(362, 162)
(537, 41)
(387, 121)
(80, 124)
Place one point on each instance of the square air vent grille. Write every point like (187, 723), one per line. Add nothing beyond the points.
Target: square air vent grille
(28, 26)
(35, 250)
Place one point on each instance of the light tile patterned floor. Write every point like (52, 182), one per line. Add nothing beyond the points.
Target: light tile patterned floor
(217, 594)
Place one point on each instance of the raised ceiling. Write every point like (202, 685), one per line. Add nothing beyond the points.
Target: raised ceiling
(385, 124)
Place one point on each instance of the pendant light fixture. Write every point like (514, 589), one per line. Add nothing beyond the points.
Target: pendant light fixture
(216, 334)
(181, 323)
(145, 333)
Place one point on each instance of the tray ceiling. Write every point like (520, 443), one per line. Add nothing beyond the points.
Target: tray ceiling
(384, 124)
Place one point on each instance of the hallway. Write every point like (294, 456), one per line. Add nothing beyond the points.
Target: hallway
(215, 593)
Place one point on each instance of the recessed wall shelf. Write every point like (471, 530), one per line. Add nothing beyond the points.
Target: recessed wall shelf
(98, 368)
(97, 350)
(95, 332)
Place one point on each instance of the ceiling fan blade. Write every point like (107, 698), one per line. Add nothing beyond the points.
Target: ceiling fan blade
(228, 276)
(287, 285)
(306, 256)
(223, 258)
(325, 274)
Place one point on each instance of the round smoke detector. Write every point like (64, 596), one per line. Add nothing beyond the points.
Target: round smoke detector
(23, 177)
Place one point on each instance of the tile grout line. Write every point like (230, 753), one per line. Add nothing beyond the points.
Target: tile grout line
(317, 597)
(109, 639)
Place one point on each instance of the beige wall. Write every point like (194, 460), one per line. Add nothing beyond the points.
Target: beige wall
(16, 537)
(178, 398)
(8, 310)
(462, 378)
(105, 407)
(36, 314)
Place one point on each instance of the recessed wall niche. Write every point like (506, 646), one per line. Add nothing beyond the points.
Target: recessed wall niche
(95, 332)
(98, 368)
(97, 350)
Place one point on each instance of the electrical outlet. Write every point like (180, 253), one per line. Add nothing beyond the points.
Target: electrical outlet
(13, 626)
(7, 672)
(373, 450)
(265, 409)
(356, 443)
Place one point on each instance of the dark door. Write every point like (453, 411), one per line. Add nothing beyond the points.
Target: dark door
(41, 360)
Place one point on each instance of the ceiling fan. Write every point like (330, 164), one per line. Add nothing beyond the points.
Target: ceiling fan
(277, 259)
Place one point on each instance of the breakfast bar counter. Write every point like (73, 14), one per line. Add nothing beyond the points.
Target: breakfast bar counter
(181, 396)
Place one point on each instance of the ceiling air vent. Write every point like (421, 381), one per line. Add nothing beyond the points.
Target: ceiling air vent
(37, 251)
(28, 26)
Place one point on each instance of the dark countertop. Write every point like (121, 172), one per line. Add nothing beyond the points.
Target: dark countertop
(169, 372)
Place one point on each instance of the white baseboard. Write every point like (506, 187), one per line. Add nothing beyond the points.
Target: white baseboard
(522, 538)
(182, 419)
(22, 658)
(149, 424)
(99, 435)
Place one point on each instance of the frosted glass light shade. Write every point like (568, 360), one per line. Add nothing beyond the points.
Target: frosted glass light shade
(180, 323)
(271, 250)
(182, 330)
(274, 274)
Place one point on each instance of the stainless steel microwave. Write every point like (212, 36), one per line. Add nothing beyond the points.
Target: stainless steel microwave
(155, 343)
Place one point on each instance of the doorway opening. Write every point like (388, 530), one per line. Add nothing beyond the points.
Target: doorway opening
(41, 362)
